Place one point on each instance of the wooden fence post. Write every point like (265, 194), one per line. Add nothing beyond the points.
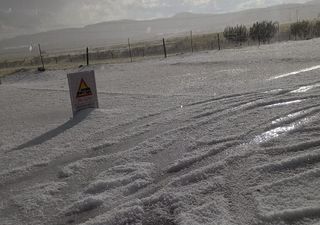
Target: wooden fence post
(129, 46)
(87, 56)
(41, 58)
(164, 48)
(191, 41)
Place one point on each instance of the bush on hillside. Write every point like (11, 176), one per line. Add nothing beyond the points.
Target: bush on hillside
(236, 34)
(301, 29)
(263, 31)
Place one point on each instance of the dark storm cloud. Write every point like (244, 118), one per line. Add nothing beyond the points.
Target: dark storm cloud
(28, 16)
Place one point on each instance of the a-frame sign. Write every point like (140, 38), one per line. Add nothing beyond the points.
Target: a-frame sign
(83, 91)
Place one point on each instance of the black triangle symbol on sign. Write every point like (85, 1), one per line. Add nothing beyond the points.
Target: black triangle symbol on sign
(83, 90)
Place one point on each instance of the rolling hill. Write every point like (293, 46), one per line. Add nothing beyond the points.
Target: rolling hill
(117, 32)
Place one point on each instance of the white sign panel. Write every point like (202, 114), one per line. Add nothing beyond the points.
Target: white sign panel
(83, 91)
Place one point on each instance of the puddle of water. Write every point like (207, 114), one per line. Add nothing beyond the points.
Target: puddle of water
(274, 133)
(284, 103)
(290, 116)
(232, 71)
(305, 88)
(273, 91)
(295, 72)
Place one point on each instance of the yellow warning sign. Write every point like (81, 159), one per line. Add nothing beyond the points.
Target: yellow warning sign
(84, 90)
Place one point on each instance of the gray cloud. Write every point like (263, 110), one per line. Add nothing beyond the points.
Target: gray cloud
(29, 16)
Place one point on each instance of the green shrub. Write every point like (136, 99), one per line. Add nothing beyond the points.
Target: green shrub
(237, 34)
(301, 29)
(316, 28)
(263, 31)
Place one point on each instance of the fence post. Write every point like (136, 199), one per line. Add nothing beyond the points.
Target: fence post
(130, 53)
(40, 52)
(219, 46)
(278, 32)
(191, 41)
(164, 48)
(97, 55)
(87, 56)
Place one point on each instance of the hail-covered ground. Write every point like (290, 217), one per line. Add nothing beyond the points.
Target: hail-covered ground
(229, 137)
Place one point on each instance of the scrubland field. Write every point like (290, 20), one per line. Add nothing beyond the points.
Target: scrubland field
(217, 137)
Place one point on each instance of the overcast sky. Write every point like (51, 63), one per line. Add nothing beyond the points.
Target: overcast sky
(28, 16)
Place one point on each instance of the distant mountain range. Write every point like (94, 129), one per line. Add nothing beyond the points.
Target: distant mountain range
(117, 32)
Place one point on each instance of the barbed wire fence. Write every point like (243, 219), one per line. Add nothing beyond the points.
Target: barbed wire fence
(133, 51)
